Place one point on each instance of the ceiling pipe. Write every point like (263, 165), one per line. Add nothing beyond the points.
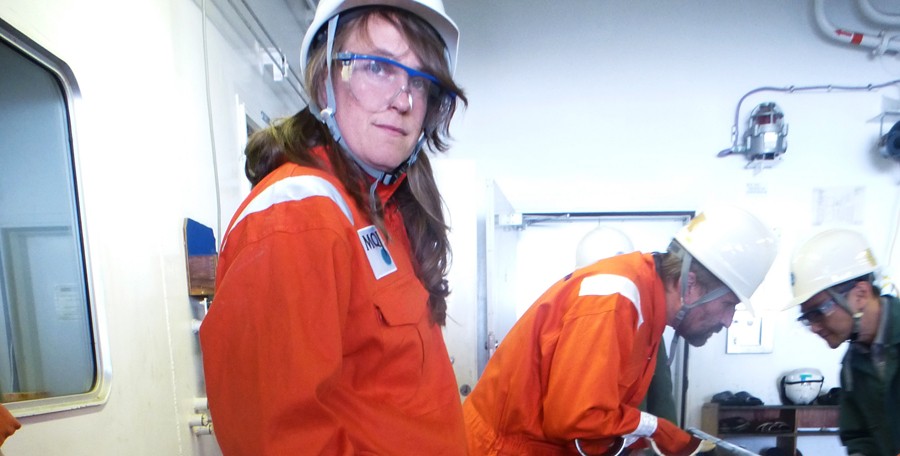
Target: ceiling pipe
(873, 14)
(880, 44)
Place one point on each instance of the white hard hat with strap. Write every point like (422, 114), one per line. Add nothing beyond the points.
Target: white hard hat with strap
(830, 257)
(431, 11)
(827, 259)
(734, 245)
(327, 15)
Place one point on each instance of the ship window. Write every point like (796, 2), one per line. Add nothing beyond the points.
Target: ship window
(49, 325)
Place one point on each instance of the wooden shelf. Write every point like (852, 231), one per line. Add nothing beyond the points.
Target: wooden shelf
(801, 420)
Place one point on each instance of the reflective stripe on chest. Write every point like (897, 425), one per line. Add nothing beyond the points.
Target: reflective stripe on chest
(607, 284)
(294, 188)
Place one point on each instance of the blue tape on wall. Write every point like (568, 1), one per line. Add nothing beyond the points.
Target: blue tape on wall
(199, 238)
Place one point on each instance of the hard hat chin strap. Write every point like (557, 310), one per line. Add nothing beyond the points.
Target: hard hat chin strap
(841, 301)
(711, 295)
(685, 309)
(326, 116)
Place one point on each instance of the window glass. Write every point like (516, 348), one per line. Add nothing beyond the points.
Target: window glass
(47, 332)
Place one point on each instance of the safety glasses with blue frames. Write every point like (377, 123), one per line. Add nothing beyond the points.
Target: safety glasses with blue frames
(376, 81)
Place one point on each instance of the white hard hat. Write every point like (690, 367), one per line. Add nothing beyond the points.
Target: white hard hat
(431, 11)
(599, 243)
(802, 386)
(734, 245)
(830, 257)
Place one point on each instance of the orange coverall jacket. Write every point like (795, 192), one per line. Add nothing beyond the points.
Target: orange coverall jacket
(576, 365)
(319, 339)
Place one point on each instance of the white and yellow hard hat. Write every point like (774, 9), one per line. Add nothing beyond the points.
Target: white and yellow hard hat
(830, 257)
(734, 245)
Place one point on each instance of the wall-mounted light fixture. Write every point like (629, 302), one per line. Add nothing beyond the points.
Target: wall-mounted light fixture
(764, 141)
(765, 138)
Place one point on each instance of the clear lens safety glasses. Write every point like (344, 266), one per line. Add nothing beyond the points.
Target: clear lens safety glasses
(817, 314)
(377, 81)
(837, 297)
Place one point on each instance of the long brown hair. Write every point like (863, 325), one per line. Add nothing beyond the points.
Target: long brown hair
(417, 198)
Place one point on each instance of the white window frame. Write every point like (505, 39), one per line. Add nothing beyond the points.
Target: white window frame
(98, 394)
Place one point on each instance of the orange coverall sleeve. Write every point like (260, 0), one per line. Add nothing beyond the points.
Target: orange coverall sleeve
(583, 398)
(274, 344)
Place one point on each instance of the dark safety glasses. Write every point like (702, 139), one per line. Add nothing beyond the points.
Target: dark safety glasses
(817, 314)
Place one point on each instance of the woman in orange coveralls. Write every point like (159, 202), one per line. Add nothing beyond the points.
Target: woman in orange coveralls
(325, 333)
(570, 375)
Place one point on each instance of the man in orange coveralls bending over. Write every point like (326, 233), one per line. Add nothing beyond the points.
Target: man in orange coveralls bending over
(570, 375)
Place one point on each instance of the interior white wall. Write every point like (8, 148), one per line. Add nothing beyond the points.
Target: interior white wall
(145, 154)
(464, 189)
(622, 105)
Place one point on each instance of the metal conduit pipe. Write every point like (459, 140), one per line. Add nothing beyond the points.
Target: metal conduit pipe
(880, 43)
(873, 14)
(200, 422)
(200, 404)
(203, 430)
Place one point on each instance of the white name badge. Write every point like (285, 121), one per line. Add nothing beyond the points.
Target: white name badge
(379, 258)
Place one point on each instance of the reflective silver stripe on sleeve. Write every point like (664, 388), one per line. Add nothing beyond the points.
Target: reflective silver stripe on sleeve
(646, 427)
(295, 188)
(607, 284)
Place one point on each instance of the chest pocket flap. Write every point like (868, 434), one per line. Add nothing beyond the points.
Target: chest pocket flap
(403, 308)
